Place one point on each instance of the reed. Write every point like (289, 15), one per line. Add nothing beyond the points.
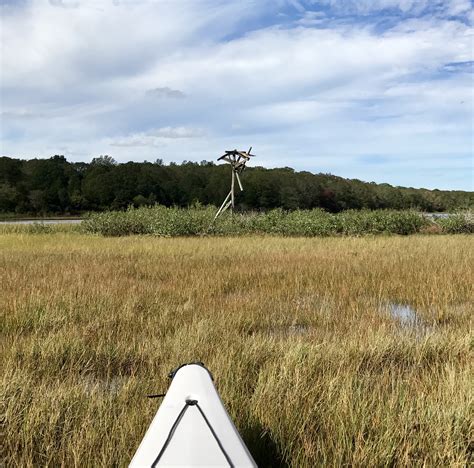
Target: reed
(297, 332)
(169, 222)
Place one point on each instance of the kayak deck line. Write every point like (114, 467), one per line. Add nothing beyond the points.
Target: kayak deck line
(178, 436)
(189, 403)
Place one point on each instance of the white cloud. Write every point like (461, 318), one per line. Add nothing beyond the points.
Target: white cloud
(138, 139)
(20, 114)
(153, 75)
(165, 92)
(64, 3)
(177, 132)
(458, 7)
(154, 137)
(369, 6)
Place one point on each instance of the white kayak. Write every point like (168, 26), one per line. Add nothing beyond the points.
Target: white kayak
(192, 427)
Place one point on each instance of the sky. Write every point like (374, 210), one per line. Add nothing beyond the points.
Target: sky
(379, 90)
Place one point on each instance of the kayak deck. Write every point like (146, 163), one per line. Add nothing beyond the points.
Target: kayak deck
(192, 427)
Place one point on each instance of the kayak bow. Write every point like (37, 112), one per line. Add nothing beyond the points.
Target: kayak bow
(192, 427)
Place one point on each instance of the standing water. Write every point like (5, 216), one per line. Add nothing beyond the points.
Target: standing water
(404, 314)
(42, 221)
(407, 317)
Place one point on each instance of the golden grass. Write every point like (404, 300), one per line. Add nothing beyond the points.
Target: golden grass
(311, 366)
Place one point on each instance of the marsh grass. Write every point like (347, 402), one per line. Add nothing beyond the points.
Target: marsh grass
(310, 365)
(40, 228)
(170, 222)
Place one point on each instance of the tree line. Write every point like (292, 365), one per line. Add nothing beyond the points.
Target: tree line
(57, 186)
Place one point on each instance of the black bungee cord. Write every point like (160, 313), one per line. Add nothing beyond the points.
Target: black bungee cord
(187, 404)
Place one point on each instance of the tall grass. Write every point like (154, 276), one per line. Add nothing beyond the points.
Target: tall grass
(168, 222)
(40, 228)
(309, 363)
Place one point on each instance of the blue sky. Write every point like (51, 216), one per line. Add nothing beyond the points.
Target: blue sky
(380, 90)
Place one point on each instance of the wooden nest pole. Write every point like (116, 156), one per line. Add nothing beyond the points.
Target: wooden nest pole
(237, 160)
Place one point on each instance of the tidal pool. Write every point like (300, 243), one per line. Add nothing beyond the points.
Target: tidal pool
(406, 317)
(42, 221)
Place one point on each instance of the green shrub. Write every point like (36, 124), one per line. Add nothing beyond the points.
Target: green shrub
(459, 223)
(360, 222)
(198, 220)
